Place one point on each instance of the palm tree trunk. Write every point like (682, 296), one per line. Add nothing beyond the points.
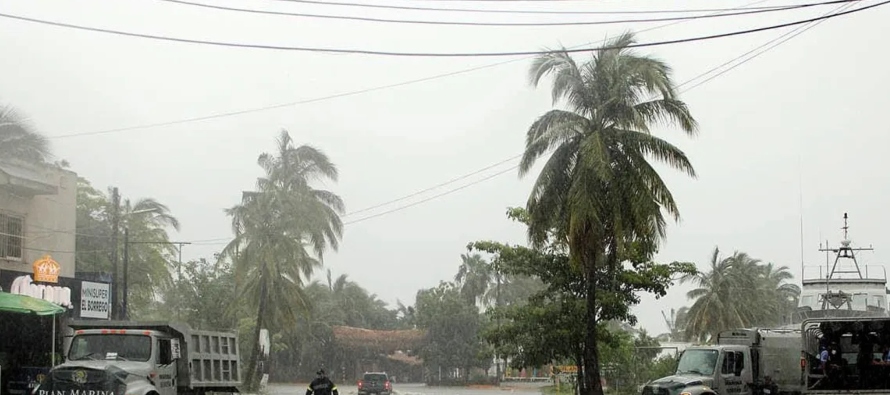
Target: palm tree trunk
(251, 379)
(592, 384)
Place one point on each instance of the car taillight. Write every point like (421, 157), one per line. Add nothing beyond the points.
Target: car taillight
(360, 384)
(387, 385)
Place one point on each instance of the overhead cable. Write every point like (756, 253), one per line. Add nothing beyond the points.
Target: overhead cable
(435, 54)
(505, 24)
(533, 12)
(342, 94)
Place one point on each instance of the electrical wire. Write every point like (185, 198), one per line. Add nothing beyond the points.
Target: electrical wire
(343, 94)
(434, 54)
(778, 41)
(504, 24)
(446, 193)
(503, 11)
(451, 181)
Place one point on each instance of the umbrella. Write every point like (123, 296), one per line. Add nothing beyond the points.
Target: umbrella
(14, 303)
(29, 305)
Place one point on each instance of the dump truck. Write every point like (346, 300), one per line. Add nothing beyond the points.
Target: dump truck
(144, 358)
(845, 355)
(742, 362)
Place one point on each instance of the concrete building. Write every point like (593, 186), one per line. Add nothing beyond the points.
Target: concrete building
(38, 209)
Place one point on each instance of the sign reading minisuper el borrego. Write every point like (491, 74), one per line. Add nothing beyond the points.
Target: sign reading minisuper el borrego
(95, 300)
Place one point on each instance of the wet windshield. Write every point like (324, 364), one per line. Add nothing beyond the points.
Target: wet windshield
(117, 347)
(701, 362)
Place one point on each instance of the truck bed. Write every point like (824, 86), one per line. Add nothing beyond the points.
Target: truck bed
(214, 359)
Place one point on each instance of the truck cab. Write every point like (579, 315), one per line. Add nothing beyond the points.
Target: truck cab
(132, 358)
(743, 362)
(720, 369)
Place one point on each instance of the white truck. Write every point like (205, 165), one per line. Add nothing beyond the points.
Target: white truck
(144, 358)
(743, 362)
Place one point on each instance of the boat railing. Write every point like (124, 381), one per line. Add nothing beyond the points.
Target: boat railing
(845, 272)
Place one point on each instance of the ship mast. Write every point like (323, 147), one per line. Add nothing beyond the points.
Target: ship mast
(844, 251)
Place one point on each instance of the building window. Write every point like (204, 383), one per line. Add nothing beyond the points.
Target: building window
(11, 236)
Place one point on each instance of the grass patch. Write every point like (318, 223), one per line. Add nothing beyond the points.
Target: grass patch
(564, 389)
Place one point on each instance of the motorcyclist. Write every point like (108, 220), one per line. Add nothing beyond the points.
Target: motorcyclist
(322, 385)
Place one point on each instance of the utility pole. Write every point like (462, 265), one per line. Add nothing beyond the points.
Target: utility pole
(115, 228)
(125, 310)
(497, 305)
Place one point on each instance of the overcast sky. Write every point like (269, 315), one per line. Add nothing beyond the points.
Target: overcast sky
(810, 109)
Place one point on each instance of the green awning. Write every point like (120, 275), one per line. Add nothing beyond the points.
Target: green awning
(13, 303)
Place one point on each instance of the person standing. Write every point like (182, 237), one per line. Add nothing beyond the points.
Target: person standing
(322, 385)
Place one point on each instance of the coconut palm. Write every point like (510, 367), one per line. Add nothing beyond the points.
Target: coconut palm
(281, 233)
(475, 277)
(598, 189)
(716, 305)
(19, 140)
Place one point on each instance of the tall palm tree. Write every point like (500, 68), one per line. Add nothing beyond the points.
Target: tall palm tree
(281, 233)
(19, 140)
(598, 189)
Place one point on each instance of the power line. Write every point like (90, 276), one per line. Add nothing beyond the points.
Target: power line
(453, 180)
(784, 38)
(339, 95)
(431, 54)
(448, 192)
(503, 24)
(504, 11)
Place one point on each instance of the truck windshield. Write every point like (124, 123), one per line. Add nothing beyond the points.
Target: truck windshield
(117, 347)
(701, 362)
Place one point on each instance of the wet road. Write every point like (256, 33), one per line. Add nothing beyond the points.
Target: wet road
(420, 389)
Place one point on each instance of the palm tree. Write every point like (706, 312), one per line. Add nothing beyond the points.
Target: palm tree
(281, 233)
(598, 189)
(147, 221)
(474, 277)
(19, 140)
(715, 308)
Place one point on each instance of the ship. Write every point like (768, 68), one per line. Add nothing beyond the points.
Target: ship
(842, 288)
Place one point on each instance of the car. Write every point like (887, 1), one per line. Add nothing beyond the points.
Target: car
(375, 383)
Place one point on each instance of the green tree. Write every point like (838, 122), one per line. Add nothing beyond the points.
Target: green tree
(598, 190)
(148, 222)
(195, 296)
(453, 327)
(281, 233)
(19, 140)
(552, 313)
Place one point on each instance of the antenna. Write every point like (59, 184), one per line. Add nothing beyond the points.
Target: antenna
(846, 227)
(800, 210)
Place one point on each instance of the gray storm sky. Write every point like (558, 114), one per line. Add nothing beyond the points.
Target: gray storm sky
(811, 109)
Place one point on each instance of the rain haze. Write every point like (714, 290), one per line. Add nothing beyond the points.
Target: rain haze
(793, 134)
